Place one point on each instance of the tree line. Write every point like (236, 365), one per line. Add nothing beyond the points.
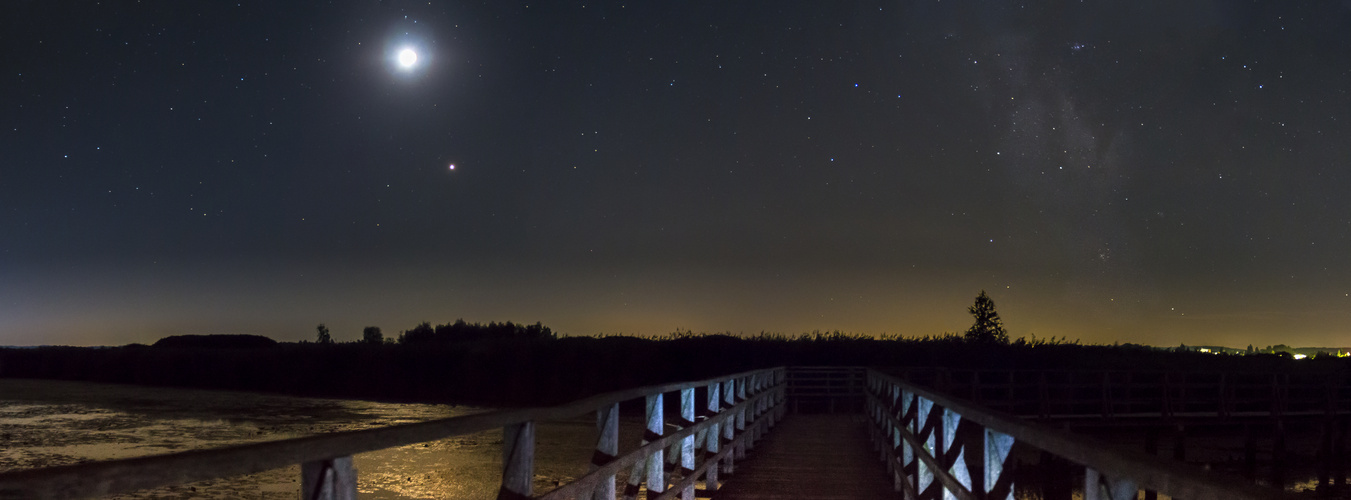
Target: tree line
(506, 364)
(459, 331)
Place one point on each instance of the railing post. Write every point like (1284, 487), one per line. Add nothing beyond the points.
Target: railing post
(753, 414)
(1093, 485)
(651, 468)
(766, 403)
(1043, 395)
(781, 399)
(656, 472)
(742, 443)
(761, 405)
(1167, 403)
(1226, 396)
(607, 448)
(908, 474)
(771, 404)
(875, 413)
(714, 434)
(997, 447)
(887, 440)
(1097, 487)
(1278, 456)
(1107, 394)
(518, 461)
(687, 443)
(953, 457)
(729, 425)
(883, 407)
(925, 475)
(333, 479)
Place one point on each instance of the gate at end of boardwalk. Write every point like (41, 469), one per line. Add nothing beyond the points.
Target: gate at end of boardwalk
(827, 389)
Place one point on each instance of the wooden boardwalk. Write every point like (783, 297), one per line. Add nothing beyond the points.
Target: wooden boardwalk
(805, 456)
(811, 457)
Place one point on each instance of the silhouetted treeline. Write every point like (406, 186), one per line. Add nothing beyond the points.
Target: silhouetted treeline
(461, 332)
(532, 367)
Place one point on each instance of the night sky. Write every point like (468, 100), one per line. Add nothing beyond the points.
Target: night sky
(1154, 171)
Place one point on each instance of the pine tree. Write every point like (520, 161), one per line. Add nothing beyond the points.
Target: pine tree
(323, 337)
(988, 327)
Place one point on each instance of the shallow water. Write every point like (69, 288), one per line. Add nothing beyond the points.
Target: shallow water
(45, 423)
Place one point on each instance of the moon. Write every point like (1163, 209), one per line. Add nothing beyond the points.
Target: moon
(407, 58)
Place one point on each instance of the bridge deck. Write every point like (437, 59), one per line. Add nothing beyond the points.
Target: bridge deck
(811, 457)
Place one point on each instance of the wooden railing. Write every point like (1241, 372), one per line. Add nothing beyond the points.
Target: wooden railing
(936, 446)
(737, 411)
(1141, 393)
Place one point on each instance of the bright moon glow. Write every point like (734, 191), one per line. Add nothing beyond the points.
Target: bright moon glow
(407, 58)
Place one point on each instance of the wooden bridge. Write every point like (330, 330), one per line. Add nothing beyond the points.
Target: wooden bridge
(815, 433)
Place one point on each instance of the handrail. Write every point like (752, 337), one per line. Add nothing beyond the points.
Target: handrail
(918, 432)
(326, 458)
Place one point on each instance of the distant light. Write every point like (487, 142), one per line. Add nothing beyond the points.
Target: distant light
(1300, 356)
(407, 58)
(452, 166)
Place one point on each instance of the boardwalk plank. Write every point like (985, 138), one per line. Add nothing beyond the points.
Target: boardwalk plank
(811, 457)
